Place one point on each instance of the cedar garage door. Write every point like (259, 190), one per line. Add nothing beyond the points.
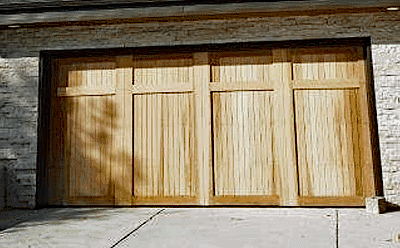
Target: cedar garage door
(264, 127)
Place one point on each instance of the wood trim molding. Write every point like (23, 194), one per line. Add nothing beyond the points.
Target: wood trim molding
(332, 201)
(174, 88)
(271, 200)
(62, 17)
(326, 84)
(237, 86)
(83, 91)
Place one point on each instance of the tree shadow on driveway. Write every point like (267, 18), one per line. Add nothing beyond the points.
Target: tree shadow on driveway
(54, 216)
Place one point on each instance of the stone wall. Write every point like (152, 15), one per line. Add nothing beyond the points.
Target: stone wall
(19, 51)
(18, 128)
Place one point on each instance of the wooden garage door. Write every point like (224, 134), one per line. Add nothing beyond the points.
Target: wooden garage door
(331, 118)
(264, 127)
(84, 132)
(242, 102)
(163, 130)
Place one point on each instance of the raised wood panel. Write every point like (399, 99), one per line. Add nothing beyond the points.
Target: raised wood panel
(321, 64)
(80, 79)
(163, 145)
(156, 72)
(88, 75)
(87, 145)
(242, 138)
(242, 68)
(327, 126)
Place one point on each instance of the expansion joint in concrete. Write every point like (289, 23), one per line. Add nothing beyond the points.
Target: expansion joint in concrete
(137, 228)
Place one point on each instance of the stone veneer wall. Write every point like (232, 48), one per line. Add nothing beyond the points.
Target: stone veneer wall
(19, 66)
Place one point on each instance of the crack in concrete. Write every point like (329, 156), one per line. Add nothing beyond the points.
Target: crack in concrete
(137, 228)
(337, 228)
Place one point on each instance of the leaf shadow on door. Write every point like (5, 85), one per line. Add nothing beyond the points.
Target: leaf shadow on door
(94, 149)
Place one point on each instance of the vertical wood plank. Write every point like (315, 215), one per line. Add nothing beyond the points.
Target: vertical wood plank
(186, 139)
(72, 163)
(79, 146)
(181, 145)
(86, 179)
(138, 150)
(160, 146)
(170, 142)
(203, 112)
(250, 143)
(365, 107)
(101, 140)
(97, 122)
(94, 157)
(216, 108)
(175, 108)
(166, 146)
(69, 166)
(123, 168)
(147, 175)
(264, 143)
(284, 117)
(258, 132)
(194, 172)
(128, 127)
(300, 142)
(153, 145)
(108, 144)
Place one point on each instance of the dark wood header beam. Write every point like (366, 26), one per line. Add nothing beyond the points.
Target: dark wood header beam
(136, 11)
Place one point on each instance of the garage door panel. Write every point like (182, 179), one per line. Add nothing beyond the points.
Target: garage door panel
(327, 142)
(242, 127)
(319, 63)
(163, 72)
(88, 146)
(163, 145)
(87, 116)
(242, 68)
(90, 75)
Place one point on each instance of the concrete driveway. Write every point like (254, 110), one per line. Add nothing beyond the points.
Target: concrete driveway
(198, 227)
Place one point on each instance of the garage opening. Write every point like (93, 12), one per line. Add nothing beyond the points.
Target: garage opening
(265, 125)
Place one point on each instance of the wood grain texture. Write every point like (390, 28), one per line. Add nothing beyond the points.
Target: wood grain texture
(242, 125)
(325, 144)
(203, 125)
(328, 116)
(284, 131)
(225, 10)
(242, 143)
(164, 158)
(86, 160)
(273, 127)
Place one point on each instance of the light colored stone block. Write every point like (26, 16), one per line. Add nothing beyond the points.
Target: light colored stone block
(375, 205)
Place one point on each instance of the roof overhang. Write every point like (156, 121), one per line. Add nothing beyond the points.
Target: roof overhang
(139, 11)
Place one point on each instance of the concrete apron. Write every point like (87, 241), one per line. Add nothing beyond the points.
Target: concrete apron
(198, 227)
